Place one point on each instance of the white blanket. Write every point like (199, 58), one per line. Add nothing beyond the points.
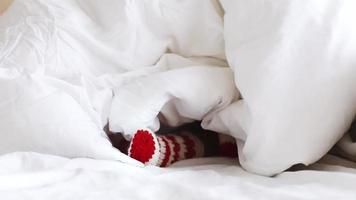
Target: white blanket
(69, 67)
(61, 61)
(295, 66)
(34, 176)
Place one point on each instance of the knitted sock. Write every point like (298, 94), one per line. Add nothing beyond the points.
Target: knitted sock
(163, 150)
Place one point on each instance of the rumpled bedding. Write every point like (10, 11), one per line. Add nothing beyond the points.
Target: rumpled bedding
(42, 177)
(279, 76)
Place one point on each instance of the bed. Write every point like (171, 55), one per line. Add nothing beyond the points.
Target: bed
(281, 84)
(37, 176)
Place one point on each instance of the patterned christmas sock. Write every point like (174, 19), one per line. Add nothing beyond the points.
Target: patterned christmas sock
(188, 142)
(163, 150)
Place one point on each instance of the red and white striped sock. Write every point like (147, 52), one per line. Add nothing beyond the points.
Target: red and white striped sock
(164, 150)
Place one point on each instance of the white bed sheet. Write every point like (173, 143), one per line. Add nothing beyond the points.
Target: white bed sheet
(38, 176)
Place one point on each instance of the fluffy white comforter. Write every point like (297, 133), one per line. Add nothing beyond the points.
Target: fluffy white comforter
(68, 67)
(35, 176)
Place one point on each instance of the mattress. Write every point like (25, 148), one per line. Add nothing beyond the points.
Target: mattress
(38, 176)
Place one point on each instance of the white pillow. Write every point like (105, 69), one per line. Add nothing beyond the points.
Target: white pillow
(295, 66)
(39, 114)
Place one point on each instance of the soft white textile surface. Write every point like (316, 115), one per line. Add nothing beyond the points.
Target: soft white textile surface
(293, 60)
(61, 60)
(40, 114)
(34, 176)
(180, 96)
(295, 66)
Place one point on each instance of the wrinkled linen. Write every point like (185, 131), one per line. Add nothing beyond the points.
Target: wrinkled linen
(295, 66)
(178, 100)
(62, 62)
(37, 176)
(72, 66)
(39, 114)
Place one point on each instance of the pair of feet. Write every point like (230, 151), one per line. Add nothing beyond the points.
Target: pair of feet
(162, 149)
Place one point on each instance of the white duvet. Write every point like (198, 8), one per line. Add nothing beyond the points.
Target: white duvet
(279, 76)
(37, 176)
